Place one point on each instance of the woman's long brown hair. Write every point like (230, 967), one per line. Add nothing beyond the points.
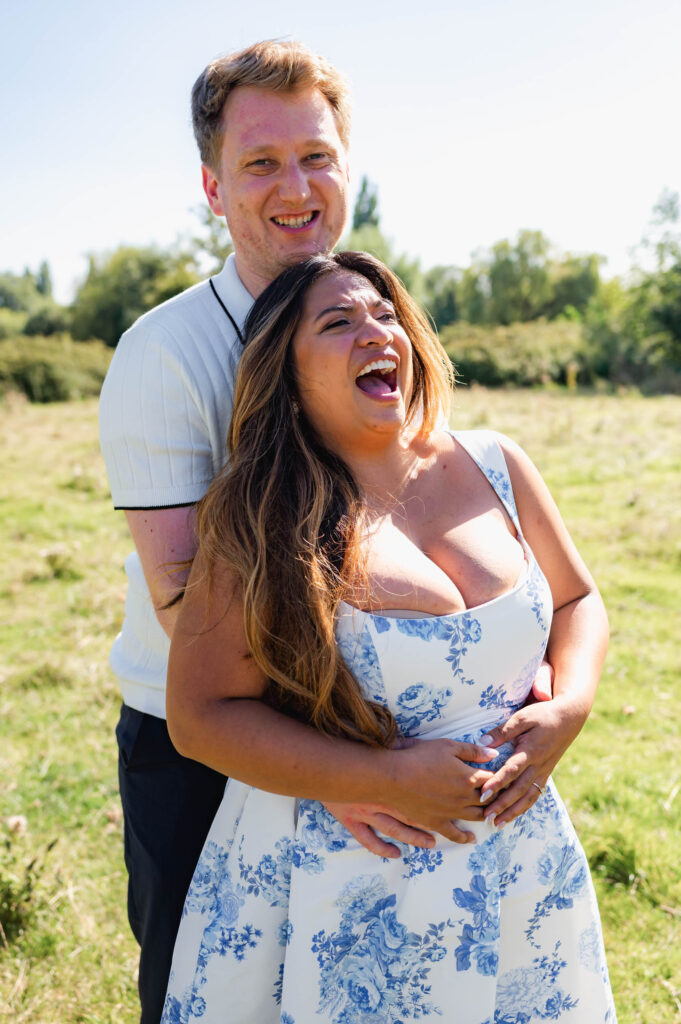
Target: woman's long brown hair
(285, 514)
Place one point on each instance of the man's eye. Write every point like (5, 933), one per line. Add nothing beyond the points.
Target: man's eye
(317, 157)
(262, 164)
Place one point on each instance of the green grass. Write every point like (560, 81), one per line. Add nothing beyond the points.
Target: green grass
(614, 465)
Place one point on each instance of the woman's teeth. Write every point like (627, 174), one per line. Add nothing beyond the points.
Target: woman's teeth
(385, 365)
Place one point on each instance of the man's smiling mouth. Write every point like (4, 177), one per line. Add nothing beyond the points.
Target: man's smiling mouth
(378, 378)
(296, 221)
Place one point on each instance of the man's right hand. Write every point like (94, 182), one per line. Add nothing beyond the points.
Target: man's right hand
(430, 786)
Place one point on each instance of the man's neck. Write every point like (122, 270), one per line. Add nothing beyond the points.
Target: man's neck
(254, 283)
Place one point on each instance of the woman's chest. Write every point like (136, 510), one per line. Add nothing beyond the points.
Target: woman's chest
(442, 567)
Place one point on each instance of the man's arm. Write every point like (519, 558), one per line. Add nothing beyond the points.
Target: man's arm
(164, 537)
(217, 714)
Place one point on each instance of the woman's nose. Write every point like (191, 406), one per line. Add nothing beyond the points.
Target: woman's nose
(373, 332)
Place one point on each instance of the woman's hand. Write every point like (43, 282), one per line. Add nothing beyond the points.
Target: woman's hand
(540, 733)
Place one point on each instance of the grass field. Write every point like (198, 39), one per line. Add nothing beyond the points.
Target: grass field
(613, 463)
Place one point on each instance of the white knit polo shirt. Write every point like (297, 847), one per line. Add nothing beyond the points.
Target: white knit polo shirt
(163, 417)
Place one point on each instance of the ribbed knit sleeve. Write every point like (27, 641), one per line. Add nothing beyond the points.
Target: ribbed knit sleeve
(154, 436)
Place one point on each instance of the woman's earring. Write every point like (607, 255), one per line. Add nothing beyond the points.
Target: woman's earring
(296, 409)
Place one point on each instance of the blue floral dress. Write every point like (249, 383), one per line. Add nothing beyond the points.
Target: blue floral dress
(288, 919)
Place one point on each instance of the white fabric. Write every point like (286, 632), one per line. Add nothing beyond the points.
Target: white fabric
(163, 417)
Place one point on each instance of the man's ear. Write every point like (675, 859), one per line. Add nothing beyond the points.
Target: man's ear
(211, 185)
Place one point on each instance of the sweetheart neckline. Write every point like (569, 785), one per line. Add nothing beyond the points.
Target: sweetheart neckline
(528, 563)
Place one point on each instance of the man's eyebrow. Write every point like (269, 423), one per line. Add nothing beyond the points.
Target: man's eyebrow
(269, 147)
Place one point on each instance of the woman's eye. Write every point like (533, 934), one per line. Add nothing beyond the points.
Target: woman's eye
(336, 323)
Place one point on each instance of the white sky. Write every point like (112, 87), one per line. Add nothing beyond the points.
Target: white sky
(475, 118)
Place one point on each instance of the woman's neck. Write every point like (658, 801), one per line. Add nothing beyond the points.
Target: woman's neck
(384, 471)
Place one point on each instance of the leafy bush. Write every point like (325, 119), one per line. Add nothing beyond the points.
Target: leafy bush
(49, 319)
(521, 354)
(12, 322)
(54, 369)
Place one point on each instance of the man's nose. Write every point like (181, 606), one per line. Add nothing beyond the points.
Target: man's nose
(294, 187)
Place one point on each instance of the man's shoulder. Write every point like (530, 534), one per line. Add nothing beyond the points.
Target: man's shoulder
(180, 314)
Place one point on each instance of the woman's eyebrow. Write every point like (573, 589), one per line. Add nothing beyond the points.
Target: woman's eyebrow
(334, 309)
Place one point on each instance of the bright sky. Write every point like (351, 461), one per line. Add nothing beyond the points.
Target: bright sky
(475, 118)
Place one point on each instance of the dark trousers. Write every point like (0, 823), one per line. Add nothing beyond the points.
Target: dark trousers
(169, 803)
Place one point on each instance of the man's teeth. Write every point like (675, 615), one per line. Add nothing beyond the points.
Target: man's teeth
(294, 222)
(380, 364)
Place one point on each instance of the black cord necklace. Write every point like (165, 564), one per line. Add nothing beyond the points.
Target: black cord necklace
(231, 318)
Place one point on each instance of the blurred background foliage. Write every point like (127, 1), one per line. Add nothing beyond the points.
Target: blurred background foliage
(522, 313)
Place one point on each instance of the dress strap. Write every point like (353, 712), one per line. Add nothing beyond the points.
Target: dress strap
(484, 448)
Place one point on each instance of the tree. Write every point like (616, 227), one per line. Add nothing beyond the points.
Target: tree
(19, 292)
(43, 280)
(574, 281)
(441, 285)
(519, 278)
(366, 205)
(210, 249)
(366, 236)
(119, 287)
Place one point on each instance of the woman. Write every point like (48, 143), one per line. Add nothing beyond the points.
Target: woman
(387, 583)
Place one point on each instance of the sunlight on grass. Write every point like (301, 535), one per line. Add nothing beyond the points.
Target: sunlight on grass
(614, 465)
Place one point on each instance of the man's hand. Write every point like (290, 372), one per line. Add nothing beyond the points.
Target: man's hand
(540, 733)
(431, 787)
(542, 687)
(363, 821)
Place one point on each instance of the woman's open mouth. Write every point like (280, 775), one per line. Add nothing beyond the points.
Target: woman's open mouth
(379, 378)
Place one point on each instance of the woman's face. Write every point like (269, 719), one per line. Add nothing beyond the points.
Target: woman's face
(353, 362)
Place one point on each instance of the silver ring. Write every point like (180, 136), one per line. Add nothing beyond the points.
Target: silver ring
(537, 786)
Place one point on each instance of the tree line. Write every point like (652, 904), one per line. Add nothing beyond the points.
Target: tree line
(521, 312)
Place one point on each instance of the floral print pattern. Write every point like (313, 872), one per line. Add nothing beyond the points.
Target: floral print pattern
(290, 921)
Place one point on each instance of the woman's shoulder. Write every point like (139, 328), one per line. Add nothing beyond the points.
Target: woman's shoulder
(483, 445)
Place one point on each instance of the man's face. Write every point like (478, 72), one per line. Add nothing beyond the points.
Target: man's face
(282, 183)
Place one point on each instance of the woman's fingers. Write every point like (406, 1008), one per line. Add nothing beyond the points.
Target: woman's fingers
(515, 800)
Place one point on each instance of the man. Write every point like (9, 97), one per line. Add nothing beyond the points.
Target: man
(272, 124)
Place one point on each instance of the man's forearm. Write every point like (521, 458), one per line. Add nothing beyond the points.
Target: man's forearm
(428, 784)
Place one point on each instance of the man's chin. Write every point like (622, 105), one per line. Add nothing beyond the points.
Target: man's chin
(303, 250)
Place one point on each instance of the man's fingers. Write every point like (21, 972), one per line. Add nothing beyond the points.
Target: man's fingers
(542, 687)
(450, 830)
(474, 752)
(367, 838)
(390, 826)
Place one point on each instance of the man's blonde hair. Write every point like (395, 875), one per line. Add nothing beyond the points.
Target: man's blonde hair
(272, 64)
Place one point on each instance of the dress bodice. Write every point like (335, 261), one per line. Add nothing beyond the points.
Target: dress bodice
(453, 675)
